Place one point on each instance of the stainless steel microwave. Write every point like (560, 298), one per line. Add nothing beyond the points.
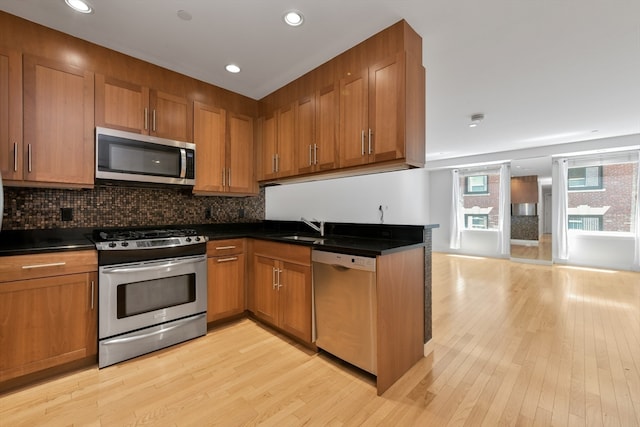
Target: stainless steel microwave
(134, 158)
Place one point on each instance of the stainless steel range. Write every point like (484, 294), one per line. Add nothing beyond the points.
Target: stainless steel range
(152, 291)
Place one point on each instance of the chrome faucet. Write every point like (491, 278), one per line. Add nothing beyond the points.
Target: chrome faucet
(319, 229)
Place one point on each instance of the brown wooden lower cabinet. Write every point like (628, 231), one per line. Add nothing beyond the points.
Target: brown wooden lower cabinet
(48, 313)
(226, 279)
(281, 287)
(47, 322)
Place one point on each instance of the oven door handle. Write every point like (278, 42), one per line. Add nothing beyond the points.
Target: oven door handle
(152, 267)
(176, 324)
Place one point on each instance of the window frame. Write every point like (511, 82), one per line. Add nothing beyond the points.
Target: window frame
(485, 217)
(582, 217)
(485, 191)
(600, 185)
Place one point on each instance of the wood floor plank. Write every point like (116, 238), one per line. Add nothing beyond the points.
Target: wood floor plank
(513, 344)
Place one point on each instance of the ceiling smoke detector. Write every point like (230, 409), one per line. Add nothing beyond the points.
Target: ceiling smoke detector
(476, 119)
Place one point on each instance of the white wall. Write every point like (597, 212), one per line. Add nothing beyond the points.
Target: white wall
(603, 251)
(402, 194)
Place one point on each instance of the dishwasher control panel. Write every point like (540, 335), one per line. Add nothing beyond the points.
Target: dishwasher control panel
(344, 260)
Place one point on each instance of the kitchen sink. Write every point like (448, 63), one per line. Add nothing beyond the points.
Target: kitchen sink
(305, 238)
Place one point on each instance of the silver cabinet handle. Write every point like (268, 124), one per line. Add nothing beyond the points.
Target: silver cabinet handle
(235, 258)
(362, 141)
(223, 178)
(225, 247)
(370, 133)
(277, 162)
(92, 292)
(315, 154)
(154, 120)
(273, 278)
(15, 157)
(146, 119)
(29, 155)
(279, 284)
(310, 156)
(273, 163)
(229, 180)
(53, 264)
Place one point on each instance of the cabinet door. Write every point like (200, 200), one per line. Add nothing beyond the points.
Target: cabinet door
(225, 291)
(327, 119)
(265, 288)
(305, 134)
(387, 109)
(354, 138)
(294, 288)
(285, 163)
(268, 147)
(58, 122)
(171, 116)
(240, 175)
(209, 135)
(10, 114)
(122, 105)
(46, 322)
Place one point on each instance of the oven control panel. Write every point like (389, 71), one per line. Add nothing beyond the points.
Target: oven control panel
(169, 242)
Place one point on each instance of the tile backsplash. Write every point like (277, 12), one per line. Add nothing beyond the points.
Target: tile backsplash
(106, 206)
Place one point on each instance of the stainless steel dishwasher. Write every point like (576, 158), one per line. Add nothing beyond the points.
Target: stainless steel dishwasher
(345, 307)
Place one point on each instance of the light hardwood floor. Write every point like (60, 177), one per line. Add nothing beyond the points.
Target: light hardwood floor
(540, 252)
(514, 344)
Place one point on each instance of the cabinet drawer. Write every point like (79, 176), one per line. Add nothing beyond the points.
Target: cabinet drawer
(296, 254)
(21, 267)
(225, 247)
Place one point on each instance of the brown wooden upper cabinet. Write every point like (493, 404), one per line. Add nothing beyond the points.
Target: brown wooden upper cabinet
(224, 146)
(135, 108)
(58, 146)
(277, 150)
(376, 115)
(316, 126)
(11, 150)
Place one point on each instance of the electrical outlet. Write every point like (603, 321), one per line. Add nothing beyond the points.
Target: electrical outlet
(66, 214)
(241, 213)
(207, 213)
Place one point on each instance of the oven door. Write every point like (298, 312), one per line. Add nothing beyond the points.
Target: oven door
(143, 294)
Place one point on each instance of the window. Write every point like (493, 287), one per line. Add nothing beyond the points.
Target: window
(585, 222)
(476, 184)
(602, 196)
(585, 178)
(476, 221)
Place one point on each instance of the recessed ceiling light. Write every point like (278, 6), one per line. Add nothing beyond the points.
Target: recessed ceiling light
(293, 18)
(79, 6)
(232, 68)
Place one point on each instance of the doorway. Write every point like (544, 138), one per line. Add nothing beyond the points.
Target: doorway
(536, 246)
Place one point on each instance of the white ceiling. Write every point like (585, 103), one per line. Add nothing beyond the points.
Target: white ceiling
(542, 71)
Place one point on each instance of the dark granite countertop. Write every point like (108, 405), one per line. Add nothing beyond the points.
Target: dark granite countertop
(354, 239)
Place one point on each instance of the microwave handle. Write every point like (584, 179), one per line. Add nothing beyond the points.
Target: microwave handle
(183, 163)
